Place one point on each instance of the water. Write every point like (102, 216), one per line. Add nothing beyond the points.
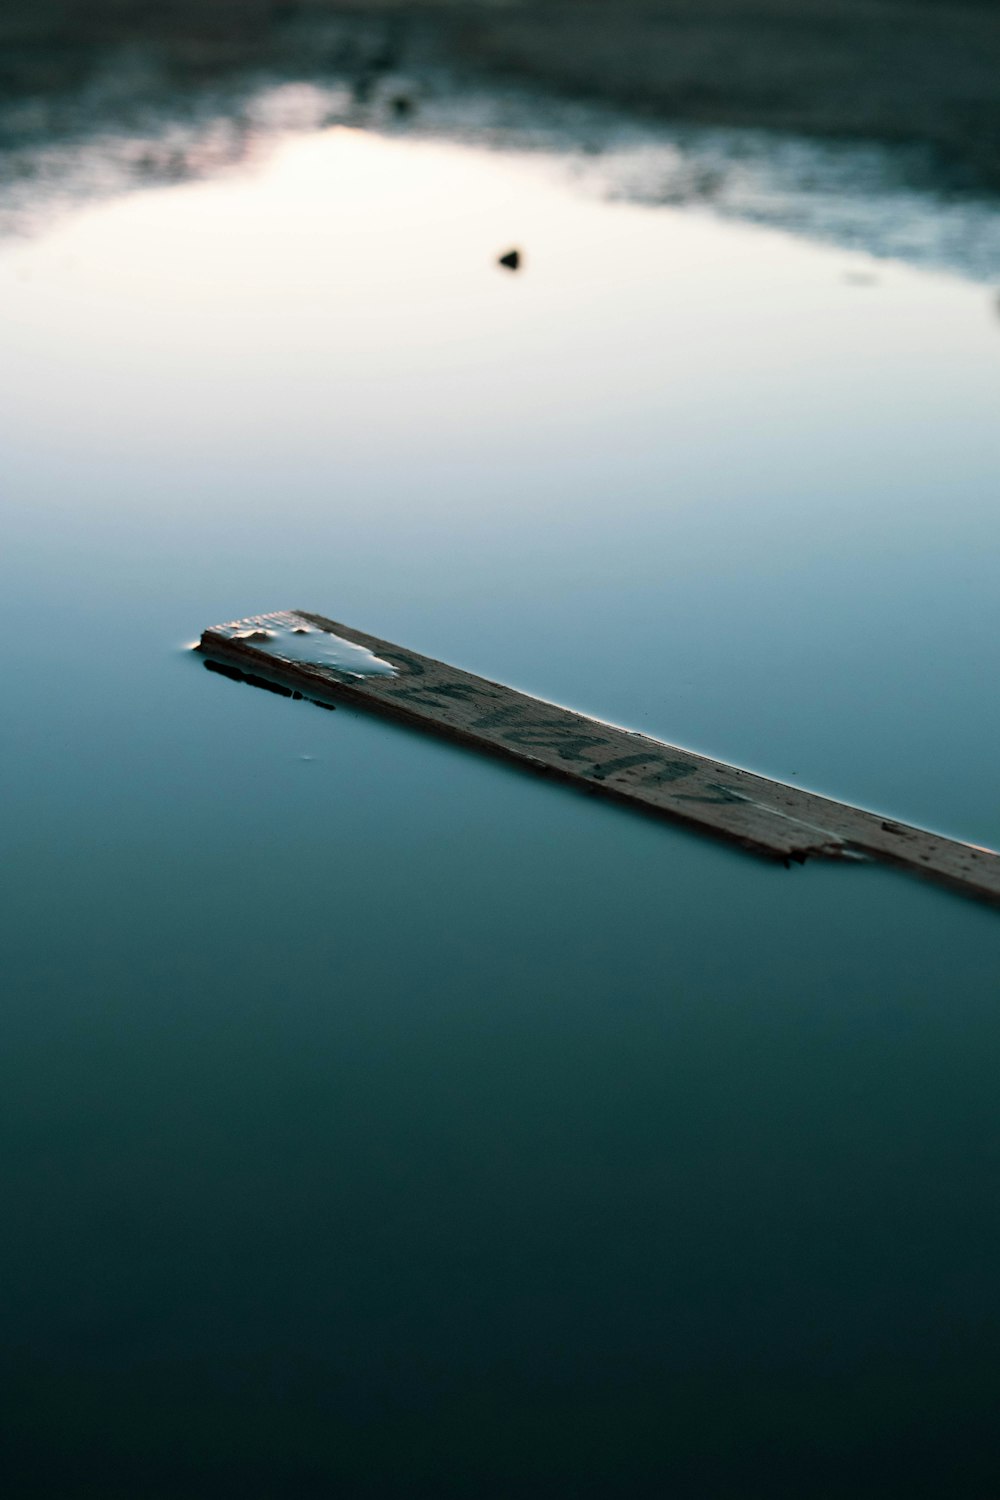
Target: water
(893, 201)
(377, 1119)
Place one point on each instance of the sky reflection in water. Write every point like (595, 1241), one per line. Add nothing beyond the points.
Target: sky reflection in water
(450, 1120)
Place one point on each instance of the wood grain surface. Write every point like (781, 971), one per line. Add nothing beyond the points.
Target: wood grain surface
(765, 816)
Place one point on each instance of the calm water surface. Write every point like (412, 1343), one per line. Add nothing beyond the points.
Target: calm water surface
(377, 1121)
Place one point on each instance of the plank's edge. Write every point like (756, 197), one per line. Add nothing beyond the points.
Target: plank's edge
(981, 882)
(317, 685)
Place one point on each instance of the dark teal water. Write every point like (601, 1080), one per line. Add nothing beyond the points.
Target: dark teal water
(376, 1120)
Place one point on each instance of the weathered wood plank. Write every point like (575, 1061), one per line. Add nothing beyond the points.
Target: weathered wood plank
(766, 816)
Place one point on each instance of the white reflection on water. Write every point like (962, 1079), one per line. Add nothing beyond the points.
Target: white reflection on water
(886, 200)
(680, 473)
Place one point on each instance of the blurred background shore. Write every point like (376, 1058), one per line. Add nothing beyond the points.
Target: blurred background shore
(919, 75)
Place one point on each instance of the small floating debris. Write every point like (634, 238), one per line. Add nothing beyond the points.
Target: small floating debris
(301, 654)
(510, 260)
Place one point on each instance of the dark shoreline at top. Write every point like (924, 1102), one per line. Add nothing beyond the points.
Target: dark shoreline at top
(924, 75)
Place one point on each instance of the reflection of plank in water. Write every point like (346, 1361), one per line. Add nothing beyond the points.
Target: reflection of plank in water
(762, 815)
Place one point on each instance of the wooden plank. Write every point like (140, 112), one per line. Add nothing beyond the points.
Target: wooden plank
(321, 659)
